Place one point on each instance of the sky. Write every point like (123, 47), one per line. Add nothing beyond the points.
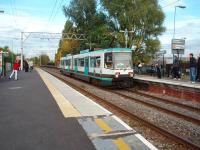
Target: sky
(47, 16)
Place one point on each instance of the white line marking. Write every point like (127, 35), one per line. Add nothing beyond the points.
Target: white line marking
(15, 88)
(147, 143)
(122, 122)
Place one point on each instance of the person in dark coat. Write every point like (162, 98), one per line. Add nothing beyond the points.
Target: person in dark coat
(198, 69)
(175, 68)
(158, 71)
(152, 69)
(192, 66)
(26, 66)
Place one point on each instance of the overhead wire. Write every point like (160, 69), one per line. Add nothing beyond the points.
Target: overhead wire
(170, 4)
(59, 6)
(52, 11)
(13, 13)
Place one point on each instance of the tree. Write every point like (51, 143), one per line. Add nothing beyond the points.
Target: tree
(35, 60)
(44, 59)
(145, 20)
(10, 56)
(102, 27)
(87, 20)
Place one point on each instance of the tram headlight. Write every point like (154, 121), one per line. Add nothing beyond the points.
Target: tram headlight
(117, 74)
(130, 74)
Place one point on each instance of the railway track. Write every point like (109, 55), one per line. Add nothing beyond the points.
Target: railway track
(154, 127)
(159, 107)
(165, 100)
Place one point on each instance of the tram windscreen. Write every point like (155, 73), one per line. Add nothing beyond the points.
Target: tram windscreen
(122, 60)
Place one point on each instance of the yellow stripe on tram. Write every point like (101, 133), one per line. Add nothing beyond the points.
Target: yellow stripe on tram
(119, 142)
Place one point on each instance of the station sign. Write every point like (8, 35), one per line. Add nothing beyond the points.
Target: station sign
(178, 46)
(160, 53)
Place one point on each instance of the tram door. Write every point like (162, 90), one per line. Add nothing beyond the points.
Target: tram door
(86, 71)
(76, 65)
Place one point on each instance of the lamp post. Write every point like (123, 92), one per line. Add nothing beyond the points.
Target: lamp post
(126, 35)
(21, 65)
(182, 7)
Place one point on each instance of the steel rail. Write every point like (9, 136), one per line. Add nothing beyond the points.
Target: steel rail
(191, 108)
(160, 108)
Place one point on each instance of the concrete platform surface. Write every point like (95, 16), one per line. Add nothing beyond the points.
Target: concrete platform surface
(41, 112)
(168, 81)
(31, 120)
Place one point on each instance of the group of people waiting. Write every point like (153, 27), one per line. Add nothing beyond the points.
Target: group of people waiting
(194, 67)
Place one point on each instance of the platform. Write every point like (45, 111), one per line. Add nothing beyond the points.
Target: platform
(182, 83)
(41, 112)
(178, 88)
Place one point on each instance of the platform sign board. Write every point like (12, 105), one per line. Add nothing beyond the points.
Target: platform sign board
(178, 46)
(1, 63)
(161, 53)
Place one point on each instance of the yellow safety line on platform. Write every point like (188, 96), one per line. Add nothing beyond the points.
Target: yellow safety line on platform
(119, 142)
(67, 109)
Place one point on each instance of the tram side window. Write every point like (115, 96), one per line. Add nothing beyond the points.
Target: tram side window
(65, 62)
(98, 62)
(81, 62)
(93, 62)
(108, 61)
(68, 62)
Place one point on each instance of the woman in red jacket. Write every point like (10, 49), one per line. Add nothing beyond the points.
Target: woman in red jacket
(15, 69)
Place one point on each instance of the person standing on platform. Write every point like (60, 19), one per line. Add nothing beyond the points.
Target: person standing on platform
(198, 69)
(192, 66)
(152, 69)
(139, 68)
(16, 67)
(158, 71)
(30, 66)
(175, 68)
(26, 66)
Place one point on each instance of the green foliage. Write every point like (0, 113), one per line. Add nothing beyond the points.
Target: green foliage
(9, 56)
(35, 60)
(44, 59)
(144, 18)
(87, 20)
